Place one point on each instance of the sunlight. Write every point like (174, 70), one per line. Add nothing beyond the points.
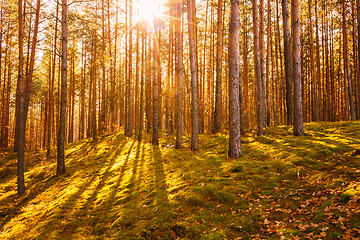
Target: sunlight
(147, 10)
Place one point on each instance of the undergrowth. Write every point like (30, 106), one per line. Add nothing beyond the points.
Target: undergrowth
(114, 187)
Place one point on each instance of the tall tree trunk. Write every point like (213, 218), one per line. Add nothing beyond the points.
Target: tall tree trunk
(191, 5)
(234, 88)
(137, 77)
(219, 55)
(52, 83)
(178, 71)
(258, 72)
(347, 64)
(296, 61)
(318, 66)
(129, 122)
(313, 78)
(288, 63)
(142, 77)
(269, 36)
(245, 85)
(21, 106)
(262, 59)
(102, 116)
(29, 75)
(82, 95)
(156, 63)
(358, 54)
(61, 134)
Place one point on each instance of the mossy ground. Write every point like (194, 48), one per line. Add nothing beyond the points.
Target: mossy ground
(284, 187)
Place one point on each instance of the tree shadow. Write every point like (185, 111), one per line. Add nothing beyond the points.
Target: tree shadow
(52, 217)
(163, 209)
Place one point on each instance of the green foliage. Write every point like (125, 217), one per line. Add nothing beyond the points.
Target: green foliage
(118, 188)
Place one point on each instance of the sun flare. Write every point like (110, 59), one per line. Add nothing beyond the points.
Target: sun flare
(147, 10)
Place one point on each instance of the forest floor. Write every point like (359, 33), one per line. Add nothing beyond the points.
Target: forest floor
(284, 187)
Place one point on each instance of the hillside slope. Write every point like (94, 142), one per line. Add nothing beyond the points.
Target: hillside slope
(115, 187)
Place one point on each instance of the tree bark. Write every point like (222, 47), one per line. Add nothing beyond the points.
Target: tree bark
(219, 55)
(288, 62)
(296, 61)
(191, 4)
(258, 72)
(156, 62)
(61, 134)
(178, 71)
(21, 106)
(234, 88)
(358, 62)
(142, 77)
(347, 64)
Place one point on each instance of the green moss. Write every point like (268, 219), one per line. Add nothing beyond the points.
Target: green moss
(118, 188)
(212, 236)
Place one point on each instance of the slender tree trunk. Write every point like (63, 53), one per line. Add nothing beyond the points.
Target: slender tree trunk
(178, 71)
(137, 77)
(358, 55)
(102, 115)
(296, 61)
(258, 72)
(318, 67)
(21, 106)
(29, 75)
(82, 95)
(288, 63)
(156, 64)
(219, 56)
(191, 4)
(129, 123)
(262, 59)
(234, 88)
(312, 68)
(142, 77)
(52, 83)
(346, 63)
(61, 134)
(245, 85)
(269, 36)
(148, 85)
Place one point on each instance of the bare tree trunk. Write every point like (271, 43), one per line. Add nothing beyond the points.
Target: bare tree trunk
(313, 78)
(358, 63)
(346, 63)
(296, 60)
(156, 62)
(269, 36)
(318, 67)
(21, 106)
(29, 75)
(245, 85)
(102, 115)
(82, 95)
(191, 4)
(129, 123)
(219, 55)
(258, 72)
(51, 90)
(288, 62)
(137, 77)
(234, 88)
(61, 134)
(178, 71)
(142, 77)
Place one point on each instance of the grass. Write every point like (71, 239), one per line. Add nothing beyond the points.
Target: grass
(283, 187)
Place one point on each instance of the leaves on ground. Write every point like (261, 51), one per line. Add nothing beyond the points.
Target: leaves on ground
(284, 187)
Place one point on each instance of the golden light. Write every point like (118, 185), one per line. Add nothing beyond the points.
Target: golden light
(147, 10)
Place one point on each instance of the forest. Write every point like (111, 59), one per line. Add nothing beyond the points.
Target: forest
(180, 119)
